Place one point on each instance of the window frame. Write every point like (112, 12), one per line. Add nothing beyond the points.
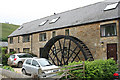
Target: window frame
(42, 37)
(29, 60)
(67, 32)
(34, 65)
(104, 25)
(53, 33)
(11, 40)
(24, 38)
(26, 48)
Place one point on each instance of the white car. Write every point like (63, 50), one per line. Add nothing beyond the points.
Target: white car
(18, 59)
(37, 65)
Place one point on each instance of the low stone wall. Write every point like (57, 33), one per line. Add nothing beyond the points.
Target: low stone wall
(10, 74)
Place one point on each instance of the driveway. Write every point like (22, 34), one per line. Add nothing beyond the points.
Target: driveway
(18, 70)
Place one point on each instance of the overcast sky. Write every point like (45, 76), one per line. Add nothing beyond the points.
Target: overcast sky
(22, 11)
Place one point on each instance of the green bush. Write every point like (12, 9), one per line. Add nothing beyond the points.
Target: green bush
(5, 56)
(97, 69)
(8, 68)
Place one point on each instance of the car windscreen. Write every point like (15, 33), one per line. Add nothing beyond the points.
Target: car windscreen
(12, 56)
(25, 56)
(44, 63)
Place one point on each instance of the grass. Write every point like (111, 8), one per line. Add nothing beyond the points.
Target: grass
(7, 29)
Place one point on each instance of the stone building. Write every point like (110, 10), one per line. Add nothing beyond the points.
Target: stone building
(96, 26)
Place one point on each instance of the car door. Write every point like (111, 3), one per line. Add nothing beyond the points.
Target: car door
(28, 65)
(35, 67)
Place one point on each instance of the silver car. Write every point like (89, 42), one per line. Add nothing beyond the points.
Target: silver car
(18, 59)
(36, 66)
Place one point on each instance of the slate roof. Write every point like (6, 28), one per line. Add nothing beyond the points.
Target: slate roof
(83, 15)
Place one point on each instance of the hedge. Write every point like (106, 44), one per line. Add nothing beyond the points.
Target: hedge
(97, 69)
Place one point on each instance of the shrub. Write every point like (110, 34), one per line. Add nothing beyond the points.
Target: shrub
(5, 56)
(8, 68)
(102, 69)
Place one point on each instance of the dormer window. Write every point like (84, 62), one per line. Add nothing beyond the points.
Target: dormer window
(42, 23)
(20, 27)
(54, 20)
(111, 6)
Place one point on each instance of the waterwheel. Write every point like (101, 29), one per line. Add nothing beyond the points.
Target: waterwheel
(64, 49)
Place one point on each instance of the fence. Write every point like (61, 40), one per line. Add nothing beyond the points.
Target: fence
(65, 72)
(57, 73)
(10, 74)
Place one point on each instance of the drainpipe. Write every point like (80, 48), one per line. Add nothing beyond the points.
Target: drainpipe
(31, 43)
(119, 44)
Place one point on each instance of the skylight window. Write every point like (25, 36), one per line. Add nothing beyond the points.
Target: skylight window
(20, 27)
(42, 23)
(54, 20)
(111, 6)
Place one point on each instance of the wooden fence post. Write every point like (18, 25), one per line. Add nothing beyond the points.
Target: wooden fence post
(84, 69)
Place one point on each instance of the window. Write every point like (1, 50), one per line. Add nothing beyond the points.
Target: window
(12, 56)
(108, 30)
(42, 37)
(28, 61)
(111, 6)
(65, 52)
(11, 40)
(18, 39)
(11, 50)
(53, 34)
(20, 27)
(35, 63)
(54, 50)
(42, 23)
(25, 56)
(26, 38)
(67, 32)
(26, 50)
(41, 52)
(54, 20)
(18, 50)
(44, 63)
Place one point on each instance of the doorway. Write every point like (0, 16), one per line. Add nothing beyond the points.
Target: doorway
(112, 51)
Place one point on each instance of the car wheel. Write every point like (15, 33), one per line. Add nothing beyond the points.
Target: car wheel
(44, 75)
(20, 64)
(24, 72)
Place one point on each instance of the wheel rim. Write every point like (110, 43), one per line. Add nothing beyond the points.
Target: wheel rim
(64, 49)
(20, 65)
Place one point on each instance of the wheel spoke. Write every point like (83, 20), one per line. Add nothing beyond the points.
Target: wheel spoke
(63, 51)
(52, 59)
(71, 54)
(56, 57)
(76, 55)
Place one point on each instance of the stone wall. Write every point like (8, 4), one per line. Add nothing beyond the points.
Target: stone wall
(89, 34)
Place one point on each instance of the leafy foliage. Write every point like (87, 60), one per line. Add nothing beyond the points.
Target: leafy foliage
(8, 68)
(5, 56)
(97, 69)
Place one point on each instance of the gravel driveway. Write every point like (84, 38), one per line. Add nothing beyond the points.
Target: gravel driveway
(18, 70)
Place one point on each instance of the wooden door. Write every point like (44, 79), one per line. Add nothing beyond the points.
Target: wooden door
(112, 51)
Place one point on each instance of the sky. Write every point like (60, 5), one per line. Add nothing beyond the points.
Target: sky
(22, 11)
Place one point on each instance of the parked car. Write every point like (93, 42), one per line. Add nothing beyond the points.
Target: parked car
(37, 65)
(18, 59)
(116, 75)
